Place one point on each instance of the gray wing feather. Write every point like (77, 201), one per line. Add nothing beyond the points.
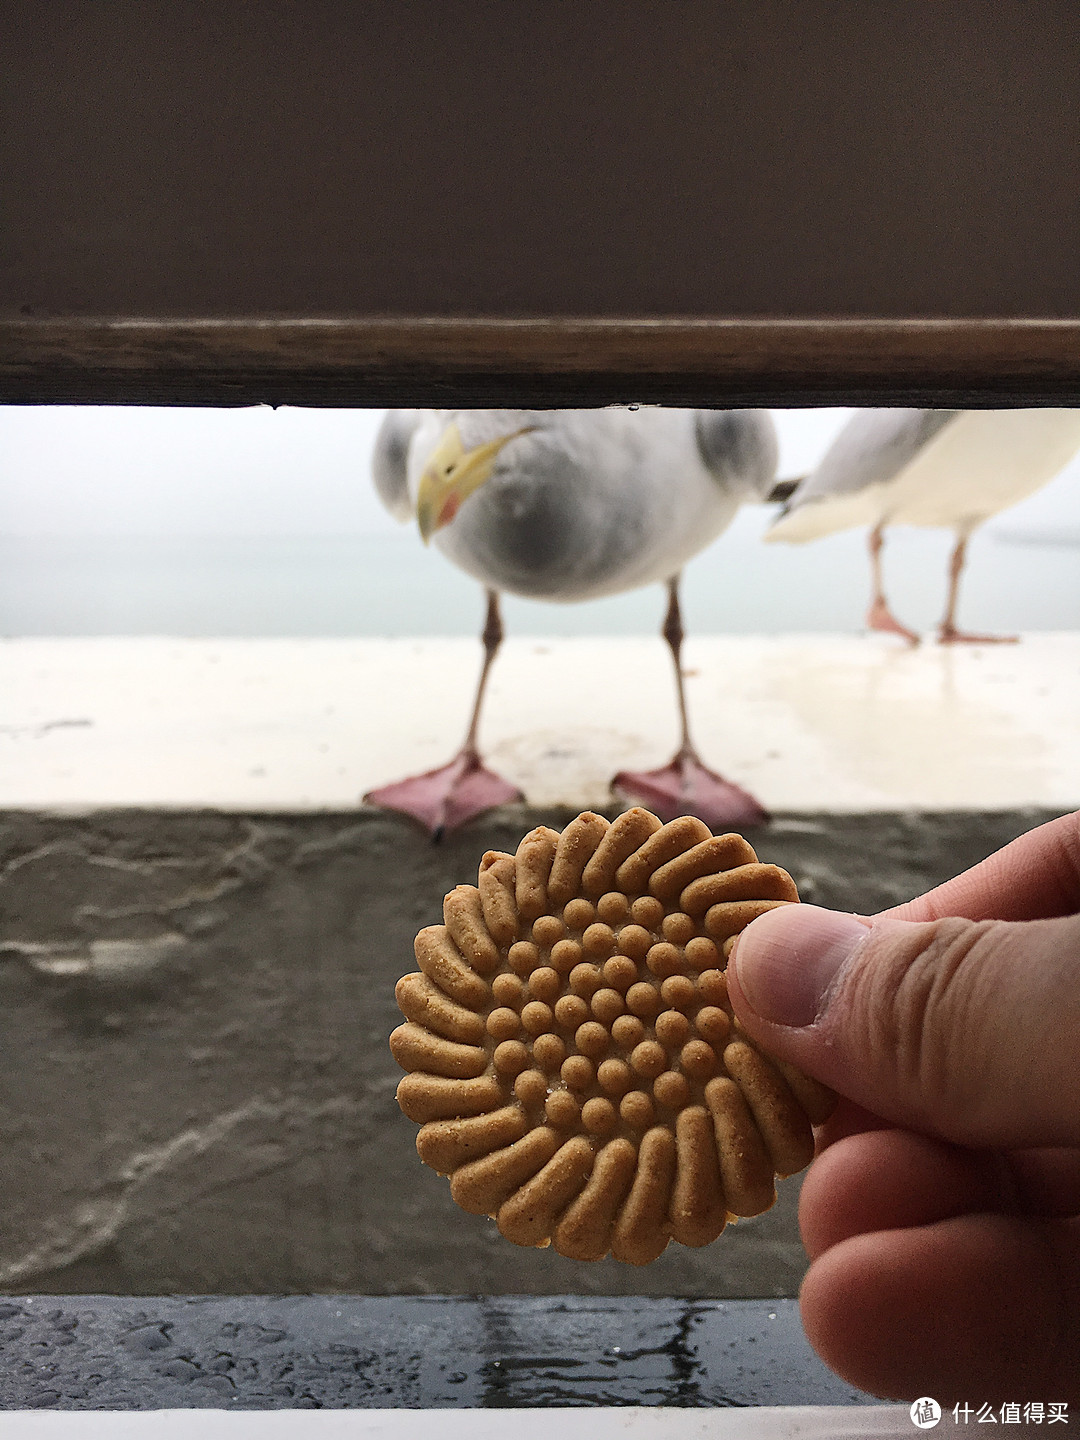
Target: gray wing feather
(739, 447)
(873, 446)
(388, 461)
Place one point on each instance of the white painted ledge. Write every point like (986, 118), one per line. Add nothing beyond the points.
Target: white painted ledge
(767, 1422)
(840, 723)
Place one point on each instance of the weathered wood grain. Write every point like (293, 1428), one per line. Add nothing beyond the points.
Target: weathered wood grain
(555, 362)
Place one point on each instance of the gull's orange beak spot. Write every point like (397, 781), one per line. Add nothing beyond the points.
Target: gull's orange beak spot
(451, 475)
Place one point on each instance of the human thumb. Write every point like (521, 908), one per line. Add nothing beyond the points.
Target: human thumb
(968, 1030)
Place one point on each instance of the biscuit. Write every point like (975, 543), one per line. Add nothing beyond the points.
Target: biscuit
(574, 1062)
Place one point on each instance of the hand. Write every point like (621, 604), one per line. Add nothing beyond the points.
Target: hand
(942, 1213)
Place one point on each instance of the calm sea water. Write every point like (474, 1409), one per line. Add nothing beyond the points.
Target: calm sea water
(391, 585)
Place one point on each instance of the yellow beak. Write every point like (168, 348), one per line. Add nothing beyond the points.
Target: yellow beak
(451, 475)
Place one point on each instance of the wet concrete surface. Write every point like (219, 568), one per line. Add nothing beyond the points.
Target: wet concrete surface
(196, 1094)
(102, 1352)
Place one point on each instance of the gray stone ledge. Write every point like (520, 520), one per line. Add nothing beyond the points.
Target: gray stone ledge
(196, 1094)
(101, 1352)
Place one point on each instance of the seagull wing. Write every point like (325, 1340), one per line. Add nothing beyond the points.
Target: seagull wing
(851, 485)
(587, 503)
(389, 461)
(740, 449)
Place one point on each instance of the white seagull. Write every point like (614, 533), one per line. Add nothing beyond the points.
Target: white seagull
(952, 468)
(570, 505)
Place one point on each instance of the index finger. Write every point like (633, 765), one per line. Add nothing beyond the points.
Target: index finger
(1036, 877)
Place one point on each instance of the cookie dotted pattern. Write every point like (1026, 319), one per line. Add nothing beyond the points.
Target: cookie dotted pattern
(574, 1064)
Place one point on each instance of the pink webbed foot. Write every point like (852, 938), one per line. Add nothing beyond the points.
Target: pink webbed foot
(880, 617)
(445, 798)
(949, 635)
(686, 787)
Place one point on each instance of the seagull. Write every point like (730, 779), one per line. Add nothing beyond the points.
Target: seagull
(568, 505)
(952, 468)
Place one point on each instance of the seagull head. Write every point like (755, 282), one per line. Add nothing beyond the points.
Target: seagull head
(452, 473)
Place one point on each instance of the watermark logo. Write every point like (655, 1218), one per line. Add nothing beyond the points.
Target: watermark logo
(1012, 1412)
(925, 1413)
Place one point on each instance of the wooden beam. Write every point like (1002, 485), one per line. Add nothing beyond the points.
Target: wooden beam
(539, 363)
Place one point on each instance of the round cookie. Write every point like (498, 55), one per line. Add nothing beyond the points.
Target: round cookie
(574, 1062)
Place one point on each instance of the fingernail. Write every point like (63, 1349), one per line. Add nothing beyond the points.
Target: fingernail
(786, 960)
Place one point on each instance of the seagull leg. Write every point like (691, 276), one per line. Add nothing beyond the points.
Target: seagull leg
(948, 634)
(879, 616)
(445, 798)
(685, 786)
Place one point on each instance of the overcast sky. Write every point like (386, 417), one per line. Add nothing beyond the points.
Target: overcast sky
(85, 470)
(261, 522)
